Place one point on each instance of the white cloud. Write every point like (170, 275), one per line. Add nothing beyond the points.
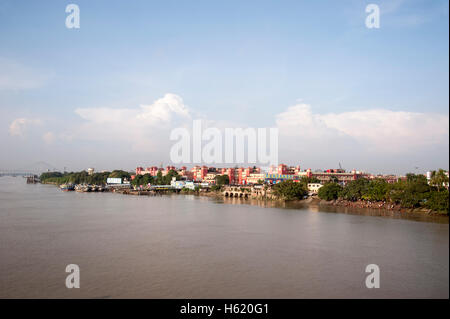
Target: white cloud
(159, 113)
(19, 126)
(139, 127)
(377, 130)
(162, 110)
(364, 139)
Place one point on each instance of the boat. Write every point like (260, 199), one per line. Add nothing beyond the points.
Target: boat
(67, 187)
(83, 188)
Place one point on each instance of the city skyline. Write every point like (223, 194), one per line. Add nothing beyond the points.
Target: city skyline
(108, 94)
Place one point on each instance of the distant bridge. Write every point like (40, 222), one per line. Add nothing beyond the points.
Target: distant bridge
(36, 168)
(17, 173)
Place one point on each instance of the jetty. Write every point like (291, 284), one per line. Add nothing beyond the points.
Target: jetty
(32, 179)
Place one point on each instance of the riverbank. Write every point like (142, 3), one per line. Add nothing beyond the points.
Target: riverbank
(312, 201)
(385, 206)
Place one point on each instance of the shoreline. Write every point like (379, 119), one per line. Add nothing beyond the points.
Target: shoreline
(383, 208)
(314, 201)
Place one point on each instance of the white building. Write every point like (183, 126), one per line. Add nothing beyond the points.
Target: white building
(313, 188)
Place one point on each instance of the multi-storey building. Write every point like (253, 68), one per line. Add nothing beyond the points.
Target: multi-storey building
(199, 172)
(153, 171)
(231, 172)
(210, 178)
(185, 173)
(283, 169)
(255, 178)
(253, 175)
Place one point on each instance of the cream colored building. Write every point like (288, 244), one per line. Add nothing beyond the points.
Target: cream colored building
(255, 178)
(210, 178)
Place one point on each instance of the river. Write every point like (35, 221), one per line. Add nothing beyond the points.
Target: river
(185, 246)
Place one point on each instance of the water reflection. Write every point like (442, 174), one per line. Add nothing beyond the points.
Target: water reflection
(417, 216)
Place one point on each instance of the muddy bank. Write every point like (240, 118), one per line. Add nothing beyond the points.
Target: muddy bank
(385, 206)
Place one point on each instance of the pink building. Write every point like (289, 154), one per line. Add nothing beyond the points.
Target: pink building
(199, 172)
(231, 172)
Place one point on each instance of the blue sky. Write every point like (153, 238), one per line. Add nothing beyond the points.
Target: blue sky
(233, 61)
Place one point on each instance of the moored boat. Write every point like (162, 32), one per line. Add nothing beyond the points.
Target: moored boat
(67, 187)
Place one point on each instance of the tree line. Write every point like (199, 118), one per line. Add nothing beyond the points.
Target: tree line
(159, 179)
(82, 177)
(412, 192)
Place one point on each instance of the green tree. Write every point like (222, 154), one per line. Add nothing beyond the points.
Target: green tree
(222, 180)
(143, 180)
(377, 190)
(290, 190)
(355, 190)
(168, 178)
(413, 192)
(329, 191)
(119, 174)
(48, 175)
(159, 178)
(439, 179)
(438, 201)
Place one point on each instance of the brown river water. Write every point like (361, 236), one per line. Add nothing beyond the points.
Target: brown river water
(185, 246)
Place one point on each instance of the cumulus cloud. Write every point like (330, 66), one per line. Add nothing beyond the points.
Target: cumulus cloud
(364, 139)
(163, 110)
(376, 130)
(19, 126)
(159, 113)
(138, 126)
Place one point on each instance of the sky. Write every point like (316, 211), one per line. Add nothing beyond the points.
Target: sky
(107, 95)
